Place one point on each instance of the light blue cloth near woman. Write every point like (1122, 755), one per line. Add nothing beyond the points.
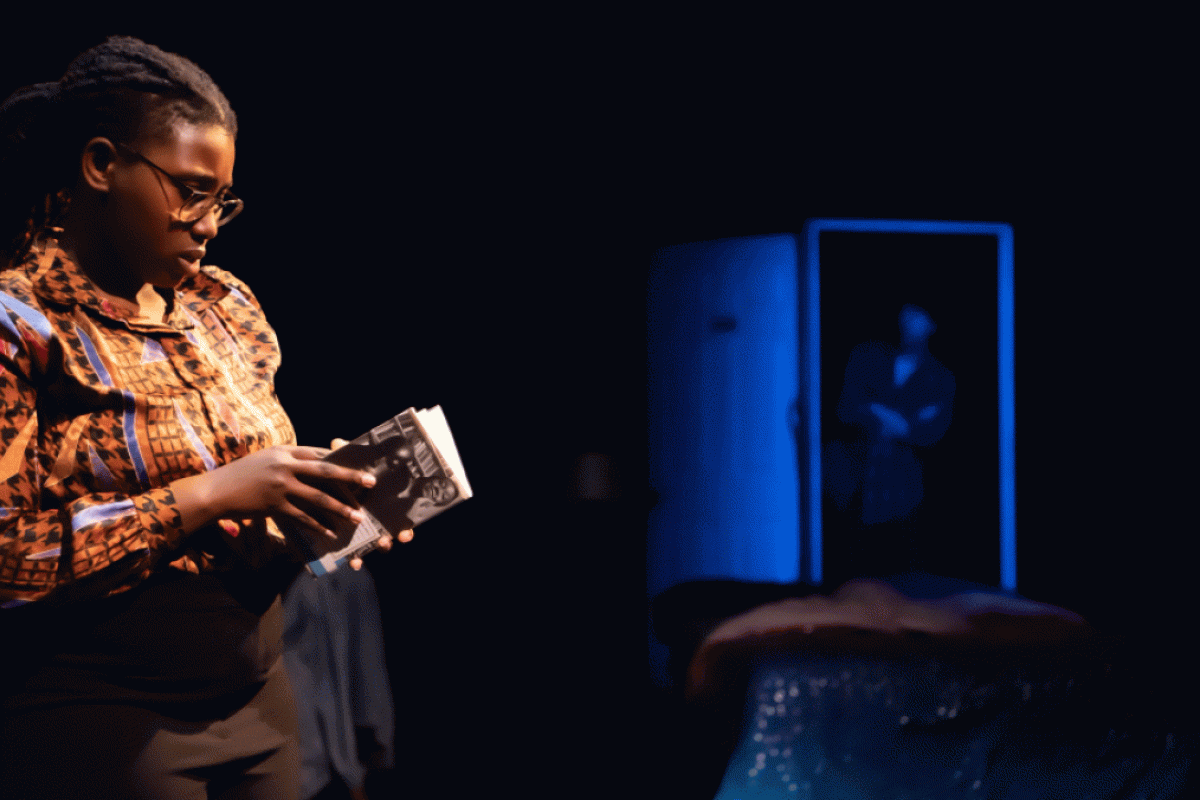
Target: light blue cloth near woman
(334, 653)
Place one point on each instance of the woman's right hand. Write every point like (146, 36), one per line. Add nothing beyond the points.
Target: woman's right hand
(385, 541)
(269, 482)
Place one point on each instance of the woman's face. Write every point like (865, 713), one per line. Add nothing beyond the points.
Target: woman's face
(143, 205)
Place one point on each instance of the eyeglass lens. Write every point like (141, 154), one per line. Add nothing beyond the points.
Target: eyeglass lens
(198, 205)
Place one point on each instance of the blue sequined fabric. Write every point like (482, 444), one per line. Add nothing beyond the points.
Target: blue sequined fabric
(839, 728)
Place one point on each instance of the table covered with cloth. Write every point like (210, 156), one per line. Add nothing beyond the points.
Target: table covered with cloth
(870, 694)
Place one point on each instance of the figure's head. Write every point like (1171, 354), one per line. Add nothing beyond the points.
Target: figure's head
(915, 325)
(439, 490)
(141, 137)
(401, 453)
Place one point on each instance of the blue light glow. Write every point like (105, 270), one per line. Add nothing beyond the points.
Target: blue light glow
(723, 381)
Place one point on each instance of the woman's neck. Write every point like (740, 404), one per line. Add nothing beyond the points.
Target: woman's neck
(151, 304)
(112, 280)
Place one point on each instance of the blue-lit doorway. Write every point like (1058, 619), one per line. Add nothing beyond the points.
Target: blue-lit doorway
(858, 276)
(749, 346)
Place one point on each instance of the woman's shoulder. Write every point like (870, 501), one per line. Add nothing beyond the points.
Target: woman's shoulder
(16, 281)
(19, 301)
(216, 281)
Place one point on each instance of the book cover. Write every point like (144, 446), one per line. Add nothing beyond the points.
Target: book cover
(418, 475)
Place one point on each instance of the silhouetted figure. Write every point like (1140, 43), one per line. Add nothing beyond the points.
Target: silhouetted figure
(898, 399)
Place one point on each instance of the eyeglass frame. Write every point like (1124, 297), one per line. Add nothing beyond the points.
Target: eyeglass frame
(190, 195)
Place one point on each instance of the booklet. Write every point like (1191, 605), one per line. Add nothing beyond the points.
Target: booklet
(418, 475)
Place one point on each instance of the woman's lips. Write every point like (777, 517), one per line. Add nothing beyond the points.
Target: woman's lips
(193, 255)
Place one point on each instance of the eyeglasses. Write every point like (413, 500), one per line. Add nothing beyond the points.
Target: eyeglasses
(196, 204)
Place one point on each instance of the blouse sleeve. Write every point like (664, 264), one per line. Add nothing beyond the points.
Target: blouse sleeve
(89, 546)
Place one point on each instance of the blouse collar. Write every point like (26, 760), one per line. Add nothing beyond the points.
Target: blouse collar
(57, 278)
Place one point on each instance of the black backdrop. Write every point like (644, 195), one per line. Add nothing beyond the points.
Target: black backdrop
(461, 210)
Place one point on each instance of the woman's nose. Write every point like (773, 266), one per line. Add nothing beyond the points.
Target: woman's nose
(207, 226)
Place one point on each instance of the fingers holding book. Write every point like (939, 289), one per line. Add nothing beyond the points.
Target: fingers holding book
(383, 543)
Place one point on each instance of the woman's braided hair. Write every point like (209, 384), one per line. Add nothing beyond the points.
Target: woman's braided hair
(123, 89)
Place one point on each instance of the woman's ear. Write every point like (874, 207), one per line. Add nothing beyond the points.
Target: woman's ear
(96, 163)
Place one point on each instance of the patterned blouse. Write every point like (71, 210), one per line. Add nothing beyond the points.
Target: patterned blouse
(103, 409)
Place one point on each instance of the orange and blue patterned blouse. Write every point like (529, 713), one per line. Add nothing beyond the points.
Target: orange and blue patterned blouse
(103, 409)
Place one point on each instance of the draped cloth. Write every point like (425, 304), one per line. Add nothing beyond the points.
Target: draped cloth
(334, 653)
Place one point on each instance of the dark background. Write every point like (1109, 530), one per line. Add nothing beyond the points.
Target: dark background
(461, 208)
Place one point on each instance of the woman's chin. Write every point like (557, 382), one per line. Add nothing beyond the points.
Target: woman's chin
(176, 273)
(190, 268)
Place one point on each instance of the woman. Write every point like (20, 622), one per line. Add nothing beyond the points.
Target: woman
(151, 493)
